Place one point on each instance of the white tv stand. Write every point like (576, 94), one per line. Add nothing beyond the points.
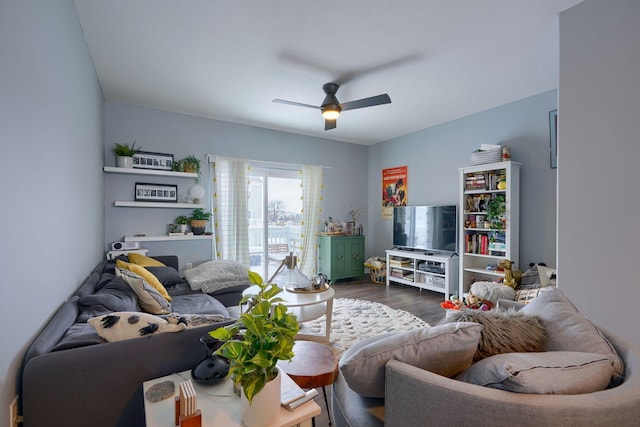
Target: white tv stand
(435, 272)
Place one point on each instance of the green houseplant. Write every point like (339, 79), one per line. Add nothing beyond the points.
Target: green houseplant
(191, 164)
(182, 221)
(264, 334)
(496, 208)
(198, 220)
(125, 153)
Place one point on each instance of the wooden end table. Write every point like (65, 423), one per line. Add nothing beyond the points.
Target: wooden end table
(313, 365)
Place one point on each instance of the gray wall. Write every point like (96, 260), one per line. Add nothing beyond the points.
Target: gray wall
(434, 156)
(598, 153)
(52, 192)
(164, 132)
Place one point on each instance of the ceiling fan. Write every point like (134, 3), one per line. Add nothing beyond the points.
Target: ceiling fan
(331, 107)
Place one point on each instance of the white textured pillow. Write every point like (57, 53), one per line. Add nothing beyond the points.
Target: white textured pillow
(445, 350)
(149, 299)
(122, 325)
(552, 372)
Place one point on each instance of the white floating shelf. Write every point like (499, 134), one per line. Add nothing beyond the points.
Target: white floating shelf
(164, 237)
(133, 204)
(136, 171)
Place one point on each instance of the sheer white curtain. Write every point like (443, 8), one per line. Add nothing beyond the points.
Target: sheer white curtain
(311, 210)
(230, 207)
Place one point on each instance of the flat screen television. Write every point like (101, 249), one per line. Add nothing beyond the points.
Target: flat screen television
(428, 228)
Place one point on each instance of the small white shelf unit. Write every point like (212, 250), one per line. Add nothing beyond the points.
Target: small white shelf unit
(134, 204)
(165, 237)
(137, 171)
(436, 272)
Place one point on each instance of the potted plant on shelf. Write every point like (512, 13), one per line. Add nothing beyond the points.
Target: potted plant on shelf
(182, 221)
(264, 334)
(125, 153)
(496, 208)
(191, 164)
(199, 220)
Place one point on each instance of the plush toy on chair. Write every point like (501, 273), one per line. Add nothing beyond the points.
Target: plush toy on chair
(492, 291)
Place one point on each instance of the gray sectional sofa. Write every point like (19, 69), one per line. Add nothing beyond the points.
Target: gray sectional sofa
(413, 396)
(72, 377)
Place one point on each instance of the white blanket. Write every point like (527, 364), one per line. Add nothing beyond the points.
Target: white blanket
(212, 276)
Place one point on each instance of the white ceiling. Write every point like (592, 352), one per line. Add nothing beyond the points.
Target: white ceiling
(438, 60)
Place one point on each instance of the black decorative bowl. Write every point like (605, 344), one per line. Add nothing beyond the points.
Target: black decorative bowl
(211, 370)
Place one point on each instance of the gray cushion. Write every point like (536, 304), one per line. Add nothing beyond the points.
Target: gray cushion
(568, 330)
(197, 304)
(149, 299)
(445, 349)
(553, 372)
(504, 331)
(54, 329)
(168, 276)
(115, 296)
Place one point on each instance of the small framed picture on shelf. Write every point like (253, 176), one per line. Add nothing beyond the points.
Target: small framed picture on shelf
(157, 161)
(146, 192)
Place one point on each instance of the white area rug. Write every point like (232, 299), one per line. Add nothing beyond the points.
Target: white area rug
(354, 320)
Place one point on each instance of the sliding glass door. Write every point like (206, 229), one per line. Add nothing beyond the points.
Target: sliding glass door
(275, 217)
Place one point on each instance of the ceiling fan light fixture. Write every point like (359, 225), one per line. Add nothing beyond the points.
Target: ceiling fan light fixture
(330, 112)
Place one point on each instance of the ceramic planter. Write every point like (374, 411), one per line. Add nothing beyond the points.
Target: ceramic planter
(198, 226)
(265, 407)
(125, 162)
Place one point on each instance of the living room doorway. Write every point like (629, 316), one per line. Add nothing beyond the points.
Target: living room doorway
(275, 217)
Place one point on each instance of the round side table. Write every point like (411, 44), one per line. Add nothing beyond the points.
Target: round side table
(313, 365)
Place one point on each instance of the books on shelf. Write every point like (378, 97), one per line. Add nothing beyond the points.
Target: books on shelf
(400, 262)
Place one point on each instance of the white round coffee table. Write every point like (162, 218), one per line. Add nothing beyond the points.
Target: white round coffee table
(306, 306)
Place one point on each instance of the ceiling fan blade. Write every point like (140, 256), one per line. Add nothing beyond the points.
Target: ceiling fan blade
(297, 104)
(366, 102)
(329, 124)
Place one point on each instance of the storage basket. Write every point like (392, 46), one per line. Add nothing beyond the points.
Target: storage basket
(378, 268)
(481, 157)
(378, 275)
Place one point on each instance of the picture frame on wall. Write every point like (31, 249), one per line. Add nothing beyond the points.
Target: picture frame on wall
(148, 192)
(157, 161)
(553, 138)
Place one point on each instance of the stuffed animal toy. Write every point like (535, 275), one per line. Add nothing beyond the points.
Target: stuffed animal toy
(492, 291)
(509, 279)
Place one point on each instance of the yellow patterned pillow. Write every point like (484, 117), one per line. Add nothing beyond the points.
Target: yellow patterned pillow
(144, 261)
(146, 275)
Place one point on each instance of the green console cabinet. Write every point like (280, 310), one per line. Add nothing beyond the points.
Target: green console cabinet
(341, 257)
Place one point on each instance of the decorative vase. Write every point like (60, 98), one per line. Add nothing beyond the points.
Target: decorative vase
(265, 407)
(125, 162)
(198, 226)
(213, 368)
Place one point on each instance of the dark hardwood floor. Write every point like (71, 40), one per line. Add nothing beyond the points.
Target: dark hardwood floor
(423, 304)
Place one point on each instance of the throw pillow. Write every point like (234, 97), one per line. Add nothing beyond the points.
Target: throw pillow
(168, 276)
(149, 299)
(525, 296)
(146, 275)
(545, 273)
(445, 349)
(551, 372)
(504, 331)
(568, 330)
(114, 296)
(123, 325)
(144, 261)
